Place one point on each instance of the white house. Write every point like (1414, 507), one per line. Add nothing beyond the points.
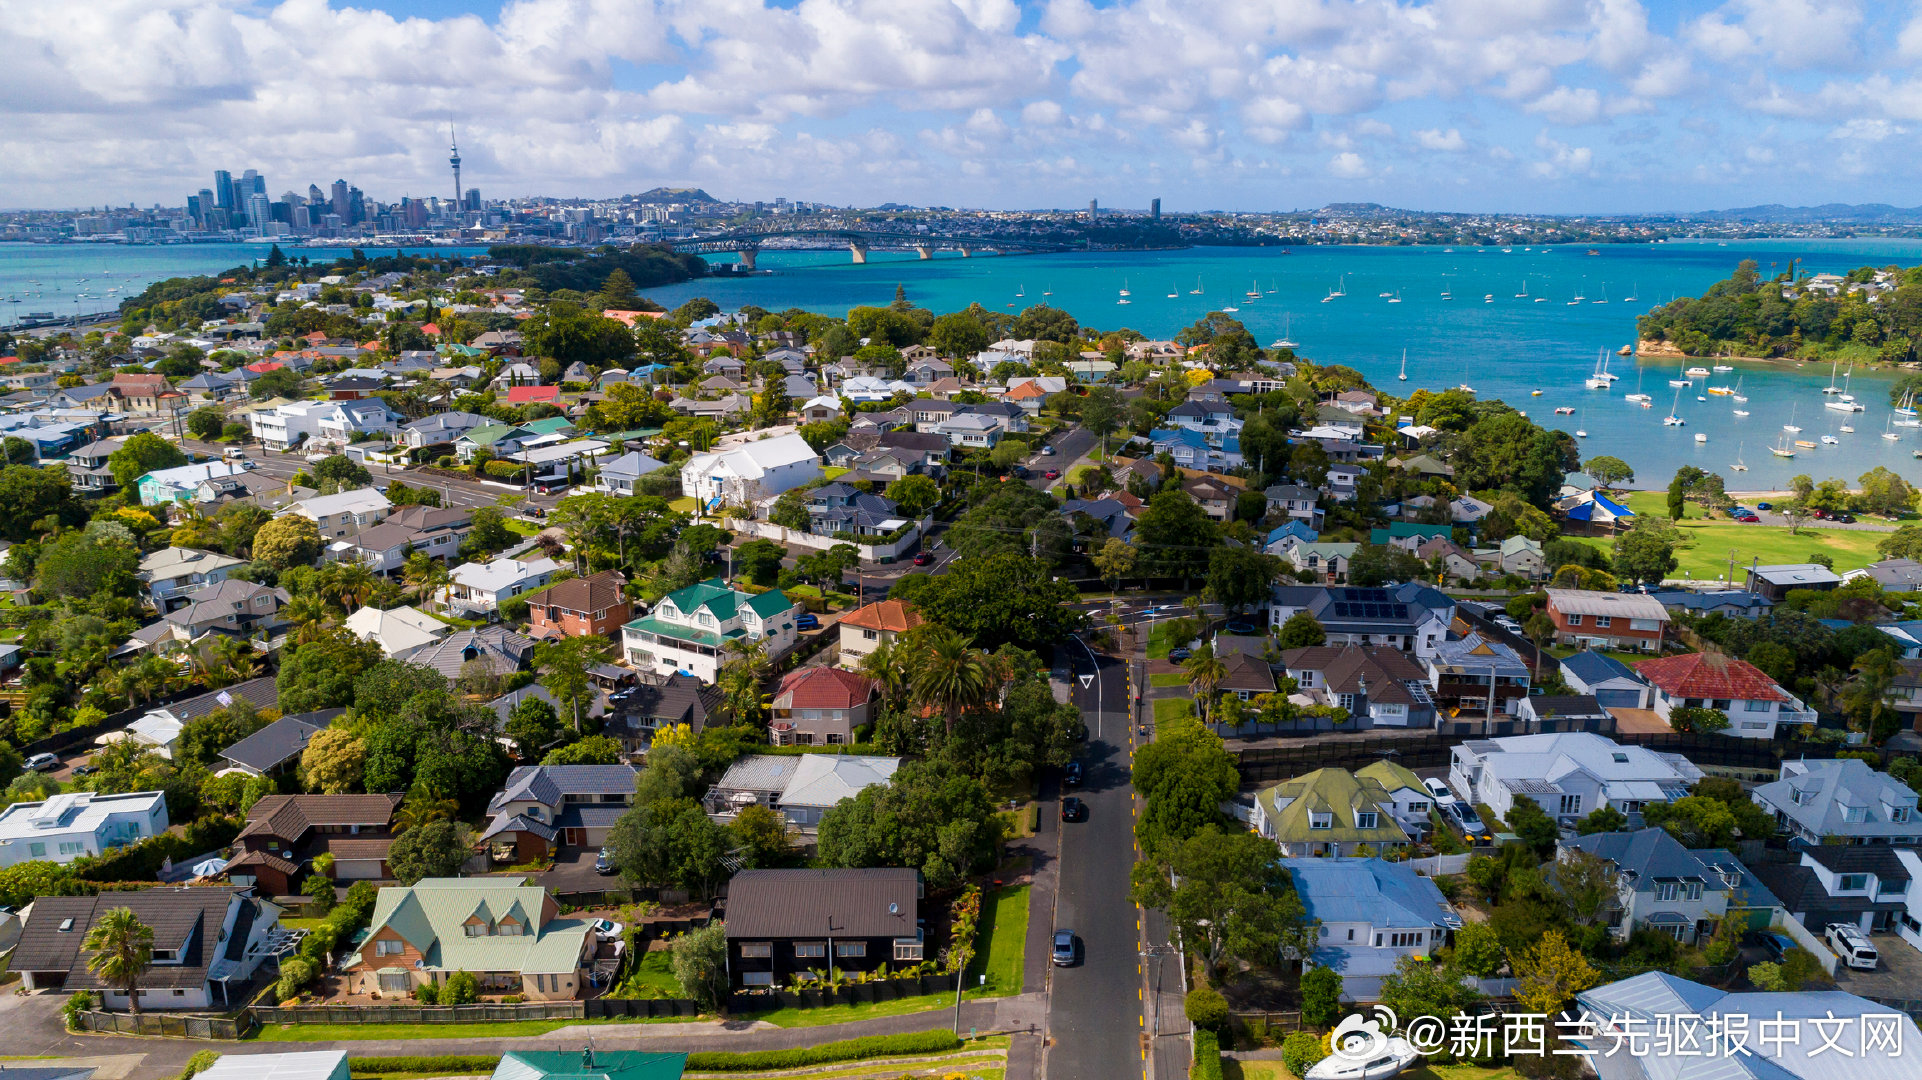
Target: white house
(173, 570)
(1569, 775)
(480, 587)
(1841, 797)
(440, 428)
(346, 422)
(1372, 913)
(343, 513)
(396, 629)
(618, 477)
(1753, 702)
(286, 425)
(182, 483)
(750, 472)
(77, 823)
(688, 629)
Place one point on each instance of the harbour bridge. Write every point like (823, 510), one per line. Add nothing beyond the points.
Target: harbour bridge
(747, 242)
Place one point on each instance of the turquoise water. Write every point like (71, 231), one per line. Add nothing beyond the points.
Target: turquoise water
(1505, 348)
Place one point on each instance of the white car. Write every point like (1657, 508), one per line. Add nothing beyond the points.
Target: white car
(42, 762)
(1439, 789)
(606, 929)
(1853, 946)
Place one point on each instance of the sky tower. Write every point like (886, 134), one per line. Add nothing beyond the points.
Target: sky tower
(454, 160)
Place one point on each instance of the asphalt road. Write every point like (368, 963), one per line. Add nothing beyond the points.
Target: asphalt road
(1068, 449)
(1095, 1009)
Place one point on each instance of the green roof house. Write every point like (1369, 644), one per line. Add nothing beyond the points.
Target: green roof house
(589, 1064)
(509, 936)
(1328, 812)
(688, 631)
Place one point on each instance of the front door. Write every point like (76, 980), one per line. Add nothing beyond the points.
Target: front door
(574, 837)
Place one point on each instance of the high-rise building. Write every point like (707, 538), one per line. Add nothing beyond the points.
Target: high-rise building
(1154, 209)
(195, 213)
(259, 210)
(473, 199)
(453, 159)
(223, 189)
(315, 196)
(1094, 207)
(356, 206)
(250, 183)
(339, 202)
(301, 217)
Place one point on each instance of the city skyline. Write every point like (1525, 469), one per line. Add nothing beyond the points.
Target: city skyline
(1553, 107)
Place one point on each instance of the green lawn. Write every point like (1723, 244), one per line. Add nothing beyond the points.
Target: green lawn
(1160, 640)
(371, 1032)
(1168, 678)
(683, 505)
(654, 978)
(521, 528)
(301, 924)
(1004, 929)
(1171, 709)
(833, 472)
(843, 1014)
(1706, 547)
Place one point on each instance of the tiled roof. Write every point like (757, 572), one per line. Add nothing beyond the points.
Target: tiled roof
(551, 784)
(288, 817)
(823, 688)
(278, 741)
(870, 903)
(892, 615)
(595, 592)
(1710, 676)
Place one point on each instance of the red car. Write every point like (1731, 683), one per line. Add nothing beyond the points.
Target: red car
(1053, 474)
(922, 558)
(1748, 518)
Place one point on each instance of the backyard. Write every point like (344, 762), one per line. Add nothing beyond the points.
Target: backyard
(1708, 545)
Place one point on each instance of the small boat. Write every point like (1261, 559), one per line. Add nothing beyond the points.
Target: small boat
(1782, 450)
(1720, 391)
(1565, 410)
(1741, 412)
(1805, 444)
(1640, 399)
(1196, 291)
(1049, 291)
(1398, 1055)
(1465, 388)
(1404, 366)
(1174, 292)
(1395, 299)
(1847, 429)
(1488, 298)
(1725, 367)
(1699, 397)
(1523, 295)
(1697, 373)
(1021, 291)
(1229, 310)
(1674, 418)
(1848, 405)
(1631, 299)
(1581, 426)
(1790, 426)
(1700, 438)
(1604, 298)
(1678, 382)
(1124, 287)
(1254, 291)
(1831, 388)
(1740, 465)
(1907, 406)
(1889, 433)
(1534, 393)
(1446, 295)
(1830, 440)
(1284, 341)
(1739, 396)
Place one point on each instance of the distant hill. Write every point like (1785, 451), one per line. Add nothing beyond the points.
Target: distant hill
(1860, 213)
(682, 195)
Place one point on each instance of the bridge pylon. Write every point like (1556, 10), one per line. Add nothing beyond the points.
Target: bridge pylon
(748, 255)
(859, 250)
(967, 252)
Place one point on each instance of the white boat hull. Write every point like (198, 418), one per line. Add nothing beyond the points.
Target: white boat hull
(1398, 1056)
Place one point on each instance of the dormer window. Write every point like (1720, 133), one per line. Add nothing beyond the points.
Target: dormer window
(1899, 813)
(1855, 813)
(1321, 819)
(1367, 819)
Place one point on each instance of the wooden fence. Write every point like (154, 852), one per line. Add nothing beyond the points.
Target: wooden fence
(178, 1025)
(418, 1014)
(855, 994)
(62, 740)
(643, 1008)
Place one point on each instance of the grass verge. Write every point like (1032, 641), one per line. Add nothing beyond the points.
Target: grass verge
(1707, 545)
(498, 1029)
(1166, 679)
(1171, 709)
(1003, 946)
(843, 1014)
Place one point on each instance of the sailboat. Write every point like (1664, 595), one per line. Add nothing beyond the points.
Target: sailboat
(1740, 397)
(1790, 426)
(1740, 465)
(1831, 388)
(1782, 449)
(1601, 379)
(1581, 425)
(1523, 295)
(1049, 291)
(1845, 401)
(1888, 429)
(1604, 298)
(1674, 417)
(1631, 299)
(1578, 298)
(1196, 291)
(1174, 292)
(1124, 287)
(1488, 298)
(1638, 397)
(1285, 342)
(1725, 367)
(1404, 366)
(1254, 291)
(1907, 406)
(1395, 299)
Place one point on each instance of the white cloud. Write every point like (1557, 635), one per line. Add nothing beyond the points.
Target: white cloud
(1561, 160)
(1791, 33)
(1348, 165)
(1449, 141)
(1568, 105)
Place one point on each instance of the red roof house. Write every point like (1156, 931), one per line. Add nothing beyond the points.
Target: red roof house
(1752, 701)
(820, 706)
(265, 366)
(527, 395)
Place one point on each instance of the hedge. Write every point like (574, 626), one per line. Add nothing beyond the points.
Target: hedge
(872, 1046)
(1207, 1056)
(453, 1064)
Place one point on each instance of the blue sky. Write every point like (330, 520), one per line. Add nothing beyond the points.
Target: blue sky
(1504, 105)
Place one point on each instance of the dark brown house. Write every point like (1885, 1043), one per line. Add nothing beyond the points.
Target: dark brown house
(285, 833)
(792, 922)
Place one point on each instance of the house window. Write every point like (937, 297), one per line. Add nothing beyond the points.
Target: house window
(37, 851)
(1856, 813)
(869, 635)
(1367, 820)
(1574, 620)
(395, 982)
(508, 929)
(1692, 890)
(1603, 622)
(757, 950)
(1900, 813)
(1321, 821)
(477, 929)
(1571, 804)
(1667, 892)
(72, 847)
(810, 950)
(1674, 930)
(757, 978)
(1721, 704)
(850, 949)
(1852, 883)
(1753, 705)
(386, 947)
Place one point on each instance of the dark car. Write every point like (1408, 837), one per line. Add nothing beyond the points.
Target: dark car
(85, 770)
(1071, 775)
(1064, 951)
(1777, 945)
(1019, 472)
(922, 558)
(807, 620)
(604, 862)
(1844, 518)
(1178, 655)
(1073, 809)
(1764, 506)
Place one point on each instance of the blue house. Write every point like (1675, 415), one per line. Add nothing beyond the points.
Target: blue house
(1372, 913)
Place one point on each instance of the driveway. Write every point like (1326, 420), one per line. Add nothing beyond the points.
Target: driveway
(573, 874)
(1897, 978)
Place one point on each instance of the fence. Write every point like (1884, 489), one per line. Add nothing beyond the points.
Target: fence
(1436, 865)
(642, 1008)
(879, 551)
(417, 1014)
(178, 1025)
(856, 994)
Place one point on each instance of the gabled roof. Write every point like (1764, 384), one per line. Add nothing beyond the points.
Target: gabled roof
(823, 688)
(1796, 575)
(595, 592)
(278, 742)
(1829, 786)
(1711, 676)
(1383, 894)
(867, 903)
(825, 779)
(1593, 667)
(502, 650)
(1646, 855)
(288, 817)
(430, 915)
(587, 1064)
(551, 784)
(1334, 791)
(187, 919)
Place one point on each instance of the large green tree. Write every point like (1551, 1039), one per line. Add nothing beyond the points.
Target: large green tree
(1183, 776)
(1175, 536)
(141, 454)
(1230, 895)
(931, 816)
(1002, 599)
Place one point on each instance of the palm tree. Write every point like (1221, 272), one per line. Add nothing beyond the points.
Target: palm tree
(422, 805)
(951, 676)
(886, 669)
(352, 584)
(308, 612)
(119, 951)
(427, 575)
(150, 678)
(741, 676)
(1205, 673)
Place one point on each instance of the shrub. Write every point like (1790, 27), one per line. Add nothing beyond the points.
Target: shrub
(512, 999)
(461, 988)
(1207, 1056)
(81, 1001)
(320, 894)
(1300, 1051)
(435, 1064)
(1206, 1008)
(295, 973)
(504, 470)
(1321, 996)
(871, 1046)
(427, 994)
(199, 1063)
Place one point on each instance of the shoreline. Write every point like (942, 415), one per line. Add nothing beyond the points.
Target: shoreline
(1664, 351)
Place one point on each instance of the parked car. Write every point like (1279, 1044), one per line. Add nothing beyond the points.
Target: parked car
(1470, 822)
(1750, 518)
(1073, 809)
(923, 558)
(1071, 775)
(1439, 789)
(1844, 518)
(606, 929)
(1777, 946)
(1853, 946)
(1064, 952)
(1047, 451)
(604, 862)
(807, 620)
(43, 762)
(85, 770)
(1178, 655)
(1819, 514)
(1764, 506)
(1020, 472)
(1052, 474)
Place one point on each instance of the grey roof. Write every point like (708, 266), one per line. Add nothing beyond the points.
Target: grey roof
(210, 603)
(1796, 575)
(1711, 601)
(503, 706)
(279, 741)
(1877, 859)
(811, 903)
(1375, 891)
(503, 650)
(759, 772)
(683, 700)
(1645, 856)
(550, 784)
(1827, 785)
(260, 692)
(504, 822)
(187, 919)
(599, 816)
(1593, 668)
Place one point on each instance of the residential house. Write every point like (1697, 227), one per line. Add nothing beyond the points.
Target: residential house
(508, 935)
(343, 513)
(821, 410)
(1564, 712)
(541, 809)
(748, 473)
(396, 630)
(172, 571)
(871, 626)
(178, 484)
(284, 834)
(1775, 582)
(495, 649)
(1631, 622)
(1372, 913)
(1659, 884)
(278, 745)
(579, 607)
(147, 395)
(208, 943)
(1328, 812)
(930, 452)
(1297, 502)
(1192, 450)
(1516, 555)
(688, 629)
(1097, 519)
(1568, 774)
(557, 463)
(1612, 683)
(636, 713)
(67, 826)
(820, 706)
(1476, 677)
(1282, 539)
(719, 409)
(1457, 562)
(784, 923)
(1327, 561)
(1209, 417)
(385, 548)
(1623, 1009)
(837, 508)
(1408, 536)
(1894, 575)
(300, 1065)
(1378, 685)
(799, 788)
(619, 476)
(1842, 798)
(233, 607)
(160, 727)
(1868, 886)
(1752, 701)
(1409, 800)
(479, 588)
(1734, 603)
(87, 467)
(269, 493)
(440, 429)
(1216, 499)
(1411, 617)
